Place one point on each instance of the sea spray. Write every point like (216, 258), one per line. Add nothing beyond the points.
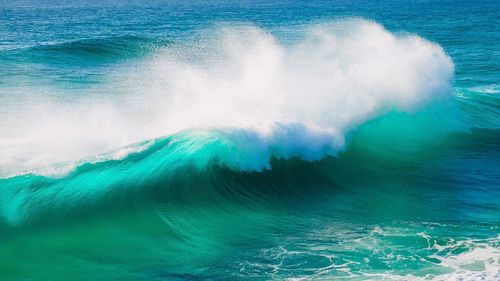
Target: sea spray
(335, 77)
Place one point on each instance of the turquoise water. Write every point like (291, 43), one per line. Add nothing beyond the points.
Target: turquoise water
(348, 140)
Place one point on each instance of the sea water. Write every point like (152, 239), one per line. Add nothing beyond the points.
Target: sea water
(249, 140)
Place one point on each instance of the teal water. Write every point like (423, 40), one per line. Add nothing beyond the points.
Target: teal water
(348, 140)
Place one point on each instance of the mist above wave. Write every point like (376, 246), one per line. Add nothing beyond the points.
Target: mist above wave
(297, 99)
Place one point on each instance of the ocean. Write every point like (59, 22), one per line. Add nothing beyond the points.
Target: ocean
(249, 140)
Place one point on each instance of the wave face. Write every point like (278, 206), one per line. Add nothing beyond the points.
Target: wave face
(233, 151)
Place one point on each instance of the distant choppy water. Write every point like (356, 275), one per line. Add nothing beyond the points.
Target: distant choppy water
(250, 141)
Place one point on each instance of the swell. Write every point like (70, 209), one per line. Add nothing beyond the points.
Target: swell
(219, 167)
(192, 202)
(480, 105)
(86, 51)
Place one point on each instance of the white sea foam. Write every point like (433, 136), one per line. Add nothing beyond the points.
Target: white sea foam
(334, 77)
(443, 259)
(480, 262)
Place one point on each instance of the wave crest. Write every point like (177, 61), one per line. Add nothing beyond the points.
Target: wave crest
(334, 77)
